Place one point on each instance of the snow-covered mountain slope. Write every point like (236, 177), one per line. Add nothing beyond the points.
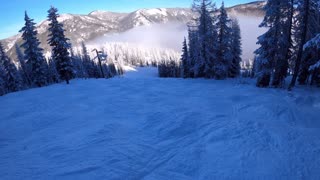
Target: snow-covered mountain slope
(144, 127)
(97, 24)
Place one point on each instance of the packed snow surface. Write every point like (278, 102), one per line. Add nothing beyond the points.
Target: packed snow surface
(143, 127)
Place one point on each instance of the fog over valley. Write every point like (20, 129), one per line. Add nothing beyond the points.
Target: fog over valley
(170, 35)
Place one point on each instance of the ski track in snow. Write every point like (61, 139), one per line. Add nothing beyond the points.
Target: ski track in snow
(143, 127)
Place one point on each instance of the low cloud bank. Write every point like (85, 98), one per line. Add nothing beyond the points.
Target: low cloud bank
(170, 36)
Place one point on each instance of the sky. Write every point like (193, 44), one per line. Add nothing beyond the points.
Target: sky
(12, 11)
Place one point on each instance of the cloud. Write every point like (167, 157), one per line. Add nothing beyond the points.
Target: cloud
(169, 35)
(250, 31)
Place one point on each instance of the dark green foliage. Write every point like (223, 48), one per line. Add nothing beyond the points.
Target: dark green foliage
(60, 46)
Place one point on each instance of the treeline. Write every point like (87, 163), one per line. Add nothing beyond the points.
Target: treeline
(34, 70)
(135, 55)
(170, 68)
(284, 48)
(291, 46)
(213, 49)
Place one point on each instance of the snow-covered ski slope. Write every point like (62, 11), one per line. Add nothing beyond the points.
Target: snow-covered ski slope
(143, 127)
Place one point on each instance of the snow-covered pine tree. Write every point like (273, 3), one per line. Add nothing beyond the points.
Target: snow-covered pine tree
(60, 45)
(53, 75)
(33, 53)
(24, 71)
(224, 54)
(73, 59)
(193, 50)
(267, 54)
(308, 27)
(206, 35)
(185, 60)
(254, 67)
(313, 47)
(11, 74)
(3, 90)
(87, 62)
(212, 45)
(77, 65)
(96, 70)
(107, 70)
(284, 15)
(234, 68)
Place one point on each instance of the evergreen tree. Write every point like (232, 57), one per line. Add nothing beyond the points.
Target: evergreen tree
(11, 74)
(268, 51)
(285, 43)
(77, 65)
(60, 46)
(254, 67)
(234, 69)
(87, 62)
(33, 53)
(96, 73)
(3, 90)
(313, 49)
(185, 60)
(25, 72)
(53, 74)
(206, 35)
(112, 70)
(308, 27)
(224, 54)
(169, 68)
(193, 50)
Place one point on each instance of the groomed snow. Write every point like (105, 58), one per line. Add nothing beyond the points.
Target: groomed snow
(143, 127)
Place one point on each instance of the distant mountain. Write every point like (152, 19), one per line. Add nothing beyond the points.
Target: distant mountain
(100, 23)
(250, 9)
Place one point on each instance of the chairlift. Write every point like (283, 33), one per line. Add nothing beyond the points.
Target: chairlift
(103, 57)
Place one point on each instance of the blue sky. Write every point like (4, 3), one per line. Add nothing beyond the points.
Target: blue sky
(12, 11)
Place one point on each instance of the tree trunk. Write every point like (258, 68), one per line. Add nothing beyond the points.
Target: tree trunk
(67, 78)
(284, 65)
(302, 42)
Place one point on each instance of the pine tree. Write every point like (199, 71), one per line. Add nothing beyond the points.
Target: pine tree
(206, 35)
(33, 53)
(224, 54)
(267, 54)
(193, 51)
(60, 46)
(185, 60)
(3, 90)
(25, 72)
(87, 62)
(234, 68)
(96, 70)
(313, 47)
(11, 74)
(53, 74)
(308, 27)
(285, 43)
(77, 65)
